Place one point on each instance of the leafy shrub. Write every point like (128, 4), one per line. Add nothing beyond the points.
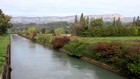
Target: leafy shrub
(115, 54)
(77, 48)
(111, 51)
(98, 55)
(134, 56)
(133, 31)
(45, 38)
(87, 33)
(32, 32)
(134, 68)
(122, 64)
(59, 31)
(43, 30)
(59, 42)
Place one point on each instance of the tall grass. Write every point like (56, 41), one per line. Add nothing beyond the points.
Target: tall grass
(4, 39)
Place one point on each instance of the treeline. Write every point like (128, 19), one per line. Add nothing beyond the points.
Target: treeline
(48, 26)
(98, 28)
(32, 31)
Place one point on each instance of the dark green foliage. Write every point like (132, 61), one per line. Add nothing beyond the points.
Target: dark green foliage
(114, 22)
(108, 23)
(133, 31)
(4, 22)
(76, 19)
(134, 68)
(96, 28)
(98, 56)
(122, 63)
(77, 48)
(87, 33)
(81, 28)
(111, 31)
(96, 22)
(136, 22)
(43, 30)
(82, 18)
(118, 23)
(75, 28)
(87, 23)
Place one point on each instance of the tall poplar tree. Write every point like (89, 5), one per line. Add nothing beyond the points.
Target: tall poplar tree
(76, 19)
(114, 22)
(134, 21)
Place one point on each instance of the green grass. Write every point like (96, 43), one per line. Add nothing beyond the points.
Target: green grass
(124, 40)
(4, 39)
(108, 39)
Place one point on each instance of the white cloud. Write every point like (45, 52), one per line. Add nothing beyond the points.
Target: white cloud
(69, 7)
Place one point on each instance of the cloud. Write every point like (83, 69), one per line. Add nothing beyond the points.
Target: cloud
(69, 7)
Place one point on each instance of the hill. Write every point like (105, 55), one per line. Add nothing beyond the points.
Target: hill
(47, 19)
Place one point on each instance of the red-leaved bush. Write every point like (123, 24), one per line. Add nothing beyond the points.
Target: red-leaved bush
(59, 42)
(108, 49)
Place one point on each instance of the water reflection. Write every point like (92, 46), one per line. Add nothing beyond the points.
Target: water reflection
(33, 61)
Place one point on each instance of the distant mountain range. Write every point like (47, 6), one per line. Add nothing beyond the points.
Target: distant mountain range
(47, 19)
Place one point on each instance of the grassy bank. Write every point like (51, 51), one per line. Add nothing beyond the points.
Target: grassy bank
(120, 53)
(4, 39)
(124, 40)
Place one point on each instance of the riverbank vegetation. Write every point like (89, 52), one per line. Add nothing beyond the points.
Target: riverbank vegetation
(4, 36)
(123, 56)
(4, 39)
(115, 45)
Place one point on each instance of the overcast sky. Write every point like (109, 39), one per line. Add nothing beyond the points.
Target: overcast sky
(69, 7)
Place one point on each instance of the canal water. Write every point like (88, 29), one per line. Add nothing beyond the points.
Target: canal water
(33, 61)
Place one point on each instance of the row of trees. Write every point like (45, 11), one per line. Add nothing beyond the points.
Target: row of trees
(48, 26)
(97, 27)
(4, 22)
(32, 31)
(136, 21)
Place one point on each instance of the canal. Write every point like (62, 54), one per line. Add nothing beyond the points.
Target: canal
(33, 61)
